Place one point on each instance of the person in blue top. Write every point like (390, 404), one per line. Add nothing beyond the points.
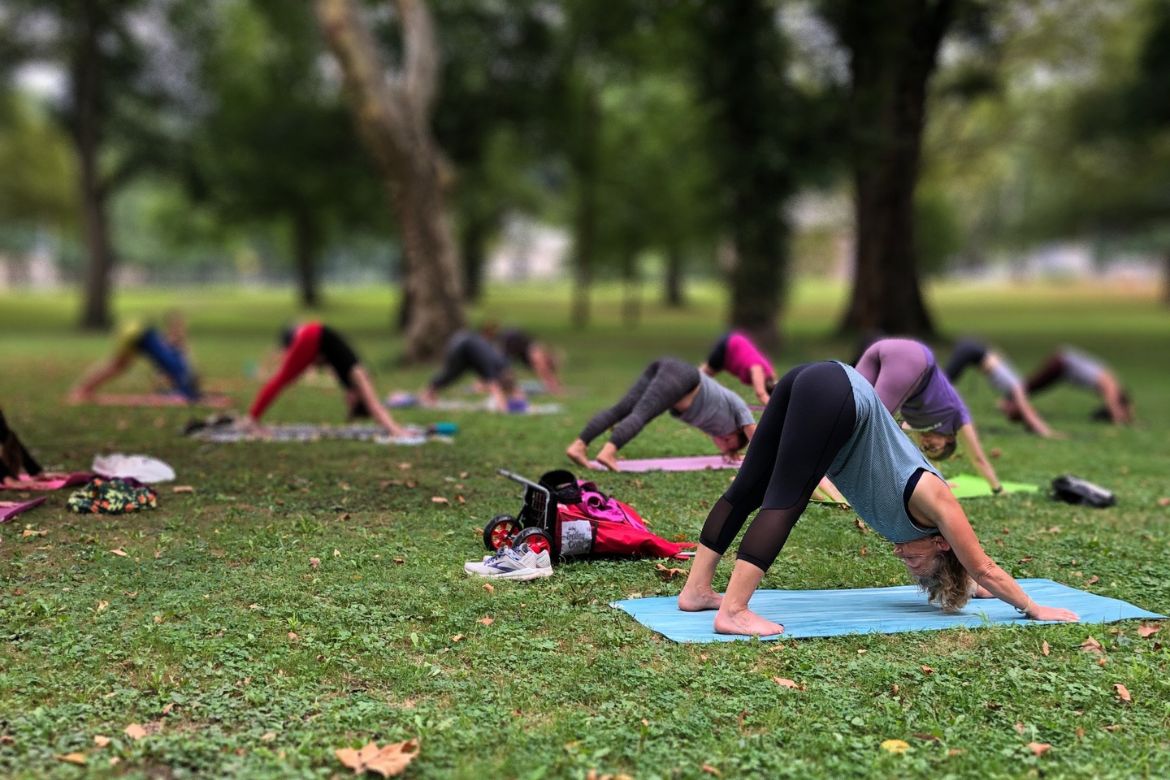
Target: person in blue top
(166, 349)
(826, 419)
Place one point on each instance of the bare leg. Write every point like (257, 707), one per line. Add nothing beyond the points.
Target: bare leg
(733, 616)
(608, 456)
(365, 390)
(578, 453)
(697, 594)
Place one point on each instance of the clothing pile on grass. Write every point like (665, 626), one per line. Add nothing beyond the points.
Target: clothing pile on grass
(121, 486)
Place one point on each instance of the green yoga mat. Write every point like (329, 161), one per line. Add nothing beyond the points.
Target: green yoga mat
(971, 486)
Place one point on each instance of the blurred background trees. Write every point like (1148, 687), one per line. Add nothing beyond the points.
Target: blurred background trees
(744, 141)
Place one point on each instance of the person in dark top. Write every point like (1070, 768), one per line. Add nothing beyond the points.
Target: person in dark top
(520, 347)
(312, 343)
(1002, 377)
(826, 419)
(15, 460)
(470, 351)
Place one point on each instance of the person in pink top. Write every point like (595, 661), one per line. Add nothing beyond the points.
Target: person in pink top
(737, 355)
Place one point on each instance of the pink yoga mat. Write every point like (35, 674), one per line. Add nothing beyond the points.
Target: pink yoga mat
(693, 463)
(10, 509)
(50, 481)
(158, 399)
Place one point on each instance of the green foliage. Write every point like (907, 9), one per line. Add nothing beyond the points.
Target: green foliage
(191, 630)
(39, 171)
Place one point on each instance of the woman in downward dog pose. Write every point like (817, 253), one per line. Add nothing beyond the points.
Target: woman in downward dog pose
(1088, 373)
(1002, 377)
(908, 382)
(669, 384)
(737, 355)
(825, 418)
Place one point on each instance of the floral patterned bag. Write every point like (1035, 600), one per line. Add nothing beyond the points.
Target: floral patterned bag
(112, 496)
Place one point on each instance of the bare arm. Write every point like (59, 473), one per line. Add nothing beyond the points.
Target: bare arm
(706, 369)
(100, 375)
(542, 364)
(827, 487)
(970, 441)
(499, 398)
(1111, 392)
(758, 383)
(365, 389)
(1031, 418)
(933, 502)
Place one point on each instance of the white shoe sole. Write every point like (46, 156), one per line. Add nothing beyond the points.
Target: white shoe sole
(518, 574)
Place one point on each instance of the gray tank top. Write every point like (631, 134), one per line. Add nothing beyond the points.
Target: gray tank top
(875, 464)
(716, 411)
(1003, 376)
(1080, 369)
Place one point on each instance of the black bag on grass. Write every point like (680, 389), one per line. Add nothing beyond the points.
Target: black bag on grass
(1074, 490)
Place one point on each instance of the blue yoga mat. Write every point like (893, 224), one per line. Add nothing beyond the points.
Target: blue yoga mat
(812, 613)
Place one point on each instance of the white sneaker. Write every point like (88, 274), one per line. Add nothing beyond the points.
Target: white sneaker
(519, 563)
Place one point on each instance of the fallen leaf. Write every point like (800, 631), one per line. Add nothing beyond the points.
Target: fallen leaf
(1102, 661)
(102, 605)
(1080, 732)
(183, 489)
(268, 736)
(1122, 692)
(784, 682)
(1055, 529)
(7, 739)
(386, 761)
(709, 770)
(1093, 580)
(895, 688)
(995, 452)
(955, 752)
(895, 746)
(400, 560)
(864, 551)
(72, 758)
(1044, 648)
(667, 572)
(343, 517)
(1026, 559)
(336, 553)
(119, 552)
(1091, 645)
(314, 563)
(1111, 728)
(26, 533)
(405, 466)
(134, 731)
(924, 736)
(1039, 748)
(100, 741)
(457, 638)
(168, 708)
(927, 670)
(114, 760)
(461, 499)
(292, 636)
(486, 621)
(439, 500)
(1164, 501)
(158, 619)
(489, 587)
(860, 525)
(1146, 630)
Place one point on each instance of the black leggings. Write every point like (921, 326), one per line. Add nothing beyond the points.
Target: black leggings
(663, 384)
(14, 458)
(808, 419)
(968, 352)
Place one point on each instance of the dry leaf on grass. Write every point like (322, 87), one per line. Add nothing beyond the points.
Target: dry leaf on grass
(784, 682)
(709, 770)
(439, 500)
(268, 736)
(120, 552)
(102, 606)
(1164, 501)
(1122, 692)
(489, 587)
(1091, 645)
(486, 621)
(457, 638)
(314, 563)
(926, 669)
(72, 758)
(1147, 630)
(1039, 748)
(100, 741)
(668, 572)
(26, 533)
(1044, 648)
(183, 489)
(1093, 580)
(386, 761)
(134, 731)
(895, 746)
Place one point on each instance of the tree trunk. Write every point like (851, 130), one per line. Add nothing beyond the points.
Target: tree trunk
(306, 245)
(392, 114)
(585, 220)
(1166, 278)
(673, 295)
(891, 68)
(472, 240)
(86, 84)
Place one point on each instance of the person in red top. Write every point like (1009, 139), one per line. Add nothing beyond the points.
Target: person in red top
(316, 343)
(737, 355)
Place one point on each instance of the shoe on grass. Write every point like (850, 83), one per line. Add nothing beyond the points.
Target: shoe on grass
(512, 563)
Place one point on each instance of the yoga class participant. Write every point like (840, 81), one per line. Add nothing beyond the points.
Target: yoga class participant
(825, 419)
(15, 460)
(1002, 377)
(909, 382)
(691, 396)
(470, 351)
(1088, 373)
(166, 350)
(314, 343)
(737, 355)
(520, 347)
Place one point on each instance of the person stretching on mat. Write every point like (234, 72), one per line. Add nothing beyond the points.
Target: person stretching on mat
(316, 343)
(826, 419)
(166, 350)
(909, 382)
(16, 463)
(737, 355)
(1086, 372)
(519, 347)
(1002, 377)
(669, 384)
(470, 351)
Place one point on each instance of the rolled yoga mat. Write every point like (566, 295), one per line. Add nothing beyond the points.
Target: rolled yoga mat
(817, 613)
(692, 463)
(10, 509)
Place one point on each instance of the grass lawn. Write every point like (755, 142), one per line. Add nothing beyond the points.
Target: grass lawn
(240, 658)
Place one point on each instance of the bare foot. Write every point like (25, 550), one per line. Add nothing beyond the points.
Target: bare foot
(745, 623)
(578, 454)
(698, 600)
(607, 460)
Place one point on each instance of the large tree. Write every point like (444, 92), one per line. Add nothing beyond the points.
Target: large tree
(893, 48)
(393, 113)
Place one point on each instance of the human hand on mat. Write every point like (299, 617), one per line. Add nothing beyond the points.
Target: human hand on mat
(1037, 612)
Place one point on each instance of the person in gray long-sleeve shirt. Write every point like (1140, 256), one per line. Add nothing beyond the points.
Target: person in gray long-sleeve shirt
(675, 385)
(469, 351)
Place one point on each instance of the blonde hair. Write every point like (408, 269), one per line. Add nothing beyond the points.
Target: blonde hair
(949, 587)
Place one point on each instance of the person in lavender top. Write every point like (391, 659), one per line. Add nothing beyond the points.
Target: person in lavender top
(910, 385)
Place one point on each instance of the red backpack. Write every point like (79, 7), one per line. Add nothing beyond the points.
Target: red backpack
(602, 525)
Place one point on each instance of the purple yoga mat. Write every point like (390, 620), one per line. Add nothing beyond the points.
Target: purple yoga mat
(55, 482)
(693, 463)
(10, 509)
